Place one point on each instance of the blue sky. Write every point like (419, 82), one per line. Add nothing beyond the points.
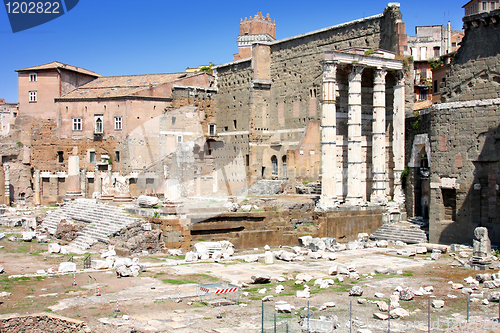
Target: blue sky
(120, 37)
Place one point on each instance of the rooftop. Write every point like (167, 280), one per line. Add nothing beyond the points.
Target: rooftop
(125, 85)
(57, 64)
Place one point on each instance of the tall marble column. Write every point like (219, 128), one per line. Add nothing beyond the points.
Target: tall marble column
(328, 138)
(354, 153)
(379, 141)
(398, 139)
(37, 188)
(6, 170)
(73, 188)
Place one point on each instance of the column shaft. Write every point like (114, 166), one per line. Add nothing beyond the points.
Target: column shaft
(379, 180)
(329, 137)
(354, 154)
(398, 140)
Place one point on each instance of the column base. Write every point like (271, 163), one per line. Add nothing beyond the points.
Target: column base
(73, 194)
(327, 203)
(379, 199)
(122, 198)
(356, 201)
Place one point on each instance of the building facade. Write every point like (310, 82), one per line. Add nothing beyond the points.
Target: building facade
(457, 148)
(265, 104)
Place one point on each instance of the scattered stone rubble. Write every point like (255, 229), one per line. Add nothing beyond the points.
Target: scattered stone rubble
(137, 238)
(147, 201)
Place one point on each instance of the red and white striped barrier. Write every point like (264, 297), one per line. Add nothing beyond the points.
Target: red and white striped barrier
(225, 291)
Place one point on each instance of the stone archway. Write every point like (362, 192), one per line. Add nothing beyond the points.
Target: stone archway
(420, 164)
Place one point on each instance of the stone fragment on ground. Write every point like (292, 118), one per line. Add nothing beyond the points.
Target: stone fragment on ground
(99, 264)
(381, 316)
(435, 255)
(303, 293)
(406, 294)
(260, 279)
(356, 291)
(54, 248)
(174, 252)
(147, 201)
(66, 267)
(493, 296)
(283, 307)
(438, 304)
(304, 277)
(399, 313)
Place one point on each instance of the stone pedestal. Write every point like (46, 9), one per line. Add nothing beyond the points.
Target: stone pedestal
(108, 188)
(481, 258)
(122, 190)
(73, 189)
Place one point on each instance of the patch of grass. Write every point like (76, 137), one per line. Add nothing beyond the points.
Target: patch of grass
(48, 310)
(408, 273)
(190, 279)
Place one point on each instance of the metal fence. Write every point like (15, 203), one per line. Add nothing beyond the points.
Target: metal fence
(274, 322)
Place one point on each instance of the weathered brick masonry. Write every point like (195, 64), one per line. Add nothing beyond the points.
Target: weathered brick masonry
(464, 138)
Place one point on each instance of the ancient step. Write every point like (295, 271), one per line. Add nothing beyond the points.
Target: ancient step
(400, 233)
(102, 221)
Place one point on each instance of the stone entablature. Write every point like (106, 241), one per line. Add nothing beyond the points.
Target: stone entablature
(333, 181)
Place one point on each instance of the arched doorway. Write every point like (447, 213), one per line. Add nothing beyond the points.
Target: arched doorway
(274, 162)
(285, 170)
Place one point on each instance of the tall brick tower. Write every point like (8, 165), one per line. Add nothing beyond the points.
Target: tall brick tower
(254, 30)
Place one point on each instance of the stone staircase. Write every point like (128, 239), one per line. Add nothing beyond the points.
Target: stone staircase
(103, 221)
(397, 232)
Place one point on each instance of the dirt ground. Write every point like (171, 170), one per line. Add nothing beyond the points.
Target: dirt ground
(151, 300)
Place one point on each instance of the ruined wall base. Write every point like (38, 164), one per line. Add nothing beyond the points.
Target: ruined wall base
(271, 227)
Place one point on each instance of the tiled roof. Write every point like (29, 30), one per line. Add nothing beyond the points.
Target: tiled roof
(57, 64)
(119, 86)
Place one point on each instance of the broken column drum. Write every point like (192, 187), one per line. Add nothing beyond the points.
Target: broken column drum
(347, 169)
(481, 257)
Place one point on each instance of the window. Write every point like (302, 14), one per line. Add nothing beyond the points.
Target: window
(453, 44)
(92, 156)
(484, 6)
(436, 87)
(492, 5)
(423, 53)
(118, 123)
(179, 138)
(33, 77)
(235, 123)
(60, 156)
(173, 121)
(33, 96)
(437, 52)
(77, 124)
(98, 124)
(117, 156)
(211, 129)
